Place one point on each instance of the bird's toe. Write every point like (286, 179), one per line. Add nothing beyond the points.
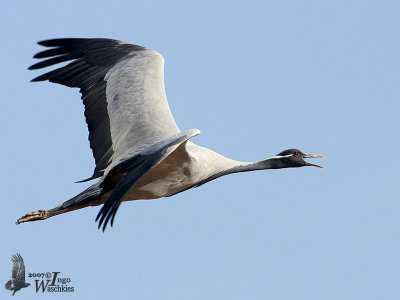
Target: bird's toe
(32, 216)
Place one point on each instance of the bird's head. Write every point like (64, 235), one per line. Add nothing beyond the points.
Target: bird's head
(294, 158)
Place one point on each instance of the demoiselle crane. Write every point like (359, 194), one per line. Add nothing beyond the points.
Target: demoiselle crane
(140, 152)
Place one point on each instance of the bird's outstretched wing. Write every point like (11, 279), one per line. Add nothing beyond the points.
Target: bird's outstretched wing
(122, 87)
(136, 167)
(18, 268)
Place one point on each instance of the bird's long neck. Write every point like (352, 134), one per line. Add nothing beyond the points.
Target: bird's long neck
(275, 162)
(270, 163)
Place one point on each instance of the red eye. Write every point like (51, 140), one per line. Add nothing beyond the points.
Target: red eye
(295, 153)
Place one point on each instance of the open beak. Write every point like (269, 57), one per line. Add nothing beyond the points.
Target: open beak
(312, 156)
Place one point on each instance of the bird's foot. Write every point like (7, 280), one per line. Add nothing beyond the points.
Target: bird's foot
(33, 216)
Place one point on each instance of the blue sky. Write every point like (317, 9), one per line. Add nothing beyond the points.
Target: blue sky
(256, 78)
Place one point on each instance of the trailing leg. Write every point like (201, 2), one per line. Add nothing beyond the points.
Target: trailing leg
(90, 197)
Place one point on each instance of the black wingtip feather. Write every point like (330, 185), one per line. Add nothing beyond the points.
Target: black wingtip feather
(61, 42)
(47, 43)
(51, 52)
(41, 78)
(53, 61)
(37, 79)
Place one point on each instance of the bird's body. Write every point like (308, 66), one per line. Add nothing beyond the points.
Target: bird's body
(184, 167)
(140, 152)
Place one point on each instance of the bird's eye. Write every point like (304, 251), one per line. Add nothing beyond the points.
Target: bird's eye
(295, 153)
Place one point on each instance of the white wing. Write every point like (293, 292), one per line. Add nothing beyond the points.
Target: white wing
(122, 87)
(137, 104)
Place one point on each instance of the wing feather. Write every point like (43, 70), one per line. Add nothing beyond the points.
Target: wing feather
(18, 269)
(122, 87)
